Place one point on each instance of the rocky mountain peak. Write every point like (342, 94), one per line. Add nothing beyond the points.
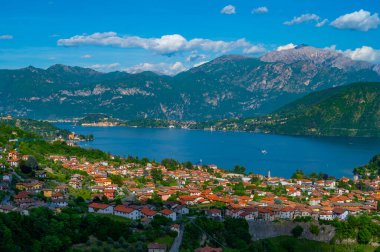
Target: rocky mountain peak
(317, 56)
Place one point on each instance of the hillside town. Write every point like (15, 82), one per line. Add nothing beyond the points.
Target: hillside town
(203, 188)
(140, 190)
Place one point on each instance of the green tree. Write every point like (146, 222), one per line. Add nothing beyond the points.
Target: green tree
(314, 229)
(298, 174)
(170, 164)
(297, 231)
(239, 169)
(364, 236)
(156, 175)
(51, 243)
(188, 165)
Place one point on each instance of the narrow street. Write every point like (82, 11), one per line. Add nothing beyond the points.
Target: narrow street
(178, 240)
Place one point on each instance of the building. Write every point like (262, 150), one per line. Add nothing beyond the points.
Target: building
(126, 212)
(169, 214)
(100, 208)
(157, 247)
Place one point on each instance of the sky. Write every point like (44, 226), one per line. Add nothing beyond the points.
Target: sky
(170, 36)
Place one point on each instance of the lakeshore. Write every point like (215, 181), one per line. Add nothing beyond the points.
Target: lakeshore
(259, 153)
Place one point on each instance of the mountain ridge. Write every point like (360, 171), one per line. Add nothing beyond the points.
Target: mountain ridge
(228, 86)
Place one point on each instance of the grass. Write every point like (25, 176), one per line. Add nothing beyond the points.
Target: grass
(114, 217)
(168, 240)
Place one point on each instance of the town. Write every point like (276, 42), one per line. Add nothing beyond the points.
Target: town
(140, 190)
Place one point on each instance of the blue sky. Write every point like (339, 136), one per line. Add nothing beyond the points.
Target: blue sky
(170, 36)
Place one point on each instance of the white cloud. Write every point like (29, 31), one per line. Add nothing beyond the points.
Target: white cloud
(302, 19)
(195, 56)
(286, 47)
(359, 20)
(52, 58)
(6, 36)
(229, 10)
(322, 23)
(105, 67)
(260, 10)
(165, 45)
(365, 53)
(86, 56)
(254, 49)
(162, 68)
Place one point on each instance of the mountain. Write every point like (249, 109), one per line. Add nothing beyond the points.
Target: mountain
(351, 110)
(228, 86)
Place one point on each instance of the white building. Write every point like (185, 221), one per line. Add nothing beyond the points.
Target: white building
(100, 208)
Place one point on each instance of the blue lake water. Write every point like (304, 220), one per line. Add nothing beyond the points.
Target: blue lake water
(282, 155)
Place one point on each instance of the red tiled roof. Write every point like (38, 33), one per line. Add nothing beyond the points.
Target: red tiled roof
(98, 205)
(124, 209)
(166, 212)
(148, 212)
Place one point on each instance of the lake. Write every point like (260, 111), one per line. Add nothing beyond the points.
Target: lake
(282, 155)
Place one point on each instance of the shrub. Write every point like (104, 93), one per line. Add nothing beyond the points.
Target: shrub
(297, 231)
(314, 229)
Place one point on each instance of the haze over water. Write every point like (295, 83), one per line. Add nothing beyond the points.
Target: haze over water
(258, 152)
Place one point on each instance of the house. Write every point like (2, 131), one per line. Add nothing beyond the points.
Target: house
(109, 193)
(40, 174)
(326, 215)
(47, 192)
(314, 201)
(59, 202)
(208, 249)
(214, 213)
(6, 208)
(148, 213)
(340, 213)
(247, 215)
(181, 210)
(157, 247)
(169, 214)
(175, 228)
(265, 214)
(126, 212)
(21, 196)
(100, 208)
(56, 196)
(32, 186)
(286, 213)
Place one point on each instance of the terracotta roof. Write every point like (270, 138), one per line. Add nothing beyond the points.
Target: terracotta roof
(98, 205)
(166, 212)
(148, 212)
(124, 209)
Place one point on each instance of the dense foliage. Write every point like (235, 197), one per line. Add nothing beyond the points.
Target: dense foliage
(371, 170)
(43, 230)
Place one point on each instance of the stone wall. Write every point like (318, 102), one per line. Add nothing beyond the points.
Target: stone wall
(262, 230)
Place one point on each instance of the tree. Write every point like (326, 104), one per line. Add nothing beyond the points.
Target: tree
(239, 169)
(104, 199)
(298, 174)
(364, 236)
(51, 243)
(29, 165)
(156, 175)
(314, 229)
(170, 164)
(188, 165)
(297, 231)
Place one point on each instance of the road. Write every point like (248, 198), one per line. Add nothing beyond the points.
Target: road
(178, 240)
